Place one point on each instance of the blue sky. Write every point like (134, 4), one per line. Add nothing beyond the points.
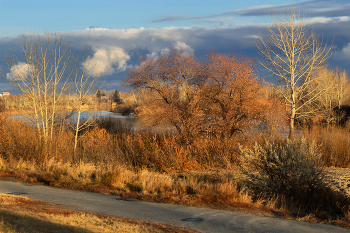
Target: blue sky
(66, 15)
(118, 31)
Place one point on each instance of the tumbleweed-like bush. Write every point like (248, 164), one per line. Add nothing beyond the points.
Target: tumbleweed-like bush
(293, 171)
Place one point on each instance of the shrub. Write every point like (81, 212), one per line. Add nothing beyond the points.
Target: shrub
(292, 170)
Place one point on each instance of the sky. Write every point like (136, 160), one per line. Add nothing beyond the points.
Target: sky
(118, 31)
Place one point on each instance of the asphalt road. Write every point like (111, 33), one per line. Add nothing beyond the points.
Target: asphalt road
(214, 221)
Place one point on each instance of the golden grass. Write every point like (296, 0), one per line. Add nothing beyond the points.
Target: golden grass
(334, 143)
(21, 214)
(150, 166)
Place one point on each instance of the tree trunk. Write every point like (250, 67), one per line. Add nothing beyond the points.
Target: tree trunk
(291, 125)
(292, 114)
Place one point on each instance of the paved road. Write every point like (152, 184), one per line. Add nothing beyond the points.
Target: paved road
(213, 220)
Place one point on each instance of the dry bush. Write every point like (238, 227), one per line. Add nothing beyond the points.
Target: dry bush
(292, 171)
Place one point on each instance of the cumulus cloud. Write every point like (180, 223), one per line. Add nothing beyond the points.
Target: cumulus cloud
(117, 49)
(107, 60)
(181, 46)
(19, 72)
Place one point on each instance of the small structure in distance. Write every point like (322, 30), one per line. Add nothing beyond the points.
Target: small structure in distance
(4, 94)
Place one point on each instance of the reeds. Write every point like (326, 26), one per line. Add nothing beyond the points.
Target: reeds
(334, 143)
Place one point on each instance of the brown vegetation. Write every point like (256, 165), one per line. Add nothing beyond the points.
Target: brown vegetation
(220, 95)
(152, 167)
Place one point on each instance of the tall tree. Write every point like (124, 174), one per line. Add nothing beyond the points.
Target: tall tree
(85, 83)
(291, 53)
(42, 75)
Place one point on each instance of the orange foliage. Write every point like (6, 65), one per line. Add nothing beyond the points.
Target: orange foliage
(220, 95)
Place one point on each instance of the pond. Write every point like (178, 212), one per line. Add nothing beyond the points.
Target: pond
(71, 117)
(130, 122)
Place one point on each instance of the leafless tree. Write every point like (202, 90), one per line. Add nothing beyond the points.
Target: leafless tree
(42, 73)
(334, 87)
(291, 52)
(85, 83)
(342, 86)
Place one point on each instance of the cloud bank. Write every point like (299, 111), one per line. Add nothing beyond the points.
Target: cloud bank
(115, 50)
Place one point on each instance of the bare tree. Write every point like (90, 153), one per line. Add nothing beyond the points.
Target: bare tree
(42, 73)
(85, 83)
(334, 88)
(342, 86)
(291, 52)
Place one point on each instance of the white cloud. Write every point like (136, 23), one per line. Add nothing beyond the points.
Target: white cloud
(325, 20)
(19, 72)
(97, 28)
(343, 54)
(181, 46)
(107, 60)
(117, 49)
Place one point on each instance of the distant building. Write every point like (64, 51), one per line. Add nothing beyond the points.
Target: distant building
(4, 94)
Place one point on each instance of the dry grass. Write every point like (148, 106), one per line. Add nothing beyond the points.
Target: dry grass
(215, 189)
(154, 167)
(106, 144)
(21, 214)
(221, 190)
(334, 143)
